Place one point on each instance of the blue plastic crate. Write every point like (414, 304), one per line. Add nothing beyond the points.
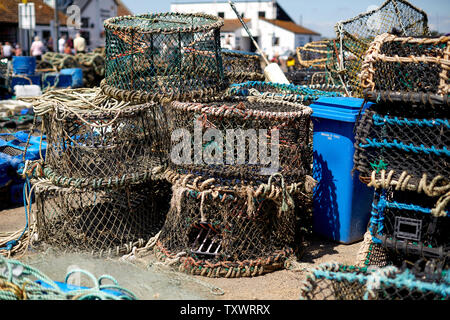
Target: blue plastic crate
(76, 76)
(24, 65)
(56, 79)
(25, 80)
(342, 204)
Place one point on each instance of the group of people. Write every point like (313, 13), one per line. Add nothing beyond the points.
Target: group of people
(39, 47)
(72, 46)
(7, 50)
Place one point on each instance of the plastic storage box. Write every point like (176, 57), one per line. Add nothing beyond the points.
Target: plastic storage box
(342, 204)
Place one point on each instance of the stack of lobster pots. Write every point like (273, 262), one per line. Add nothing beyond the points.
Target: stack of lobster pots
(402, 151)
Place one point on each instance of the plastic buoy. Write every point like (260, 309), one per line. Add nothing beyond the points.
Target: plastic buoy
(273, 73)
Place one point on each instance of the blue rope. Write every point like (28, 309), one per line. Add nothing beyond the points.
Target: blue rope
(408, 148)
(380, 121)
(401, 280)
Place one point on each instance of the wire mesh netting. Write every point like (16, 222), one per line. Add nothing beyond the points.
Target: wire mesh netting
(407, 64)
(332, 281)
(241, 142)
(410, 229)
(396, 146)
(107, 221)
(224, 233)
(91, 136)
(240, 66)
(355, 35)
(163, 55)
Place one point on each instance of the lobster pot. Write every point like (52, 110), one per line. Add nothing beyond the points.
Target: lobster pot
(356, 34)
(225, 234)
(163, 55)
(314, 54)
(332, 281)
(410, 227)
(394, 147)
(241, 142)
(407, 65)
(287, 92)
(58, 61)
(240, 66)
(101, 220)
(104, 142)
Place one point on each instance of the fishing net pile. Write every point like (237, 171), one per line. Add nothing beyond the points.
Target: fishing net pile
(19, 281)
(241, 66)
(353, 36)
(100, 188)
(332, 281)
(402, 150)
(232, 212)
(166, 55)
(92, 64)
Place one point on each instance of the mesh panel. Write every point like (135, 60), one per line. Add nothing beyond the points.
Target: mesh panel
(101, 220)
(240, 66)
(152, 56)
(407, 65)
(393, 16)
(394, 147)
(340, 282)
(241, 142)
(219, 237)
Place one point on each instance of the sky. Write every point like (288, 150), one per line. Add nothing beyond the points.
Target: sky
(320, 15)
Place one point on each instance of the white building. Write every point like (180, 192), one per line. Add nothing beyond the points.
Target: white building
(92, 15)
(269, 24)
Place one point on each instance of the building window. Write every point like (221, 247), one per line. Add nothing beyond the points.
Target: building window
(85, 22)
(221, 14)
(261, 14)
(276, 41)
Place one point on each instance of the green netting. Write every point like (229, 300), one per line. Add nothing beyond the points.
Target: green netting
(164, 55)
(356, 34)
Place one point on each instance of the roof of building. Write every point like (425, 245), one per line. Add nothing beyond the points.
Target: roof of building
(9, 12)
(291, 26)
(230, 25)
(122, 9)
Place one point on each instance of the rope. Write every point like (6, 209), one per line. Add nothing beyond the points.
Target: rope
(21, 281)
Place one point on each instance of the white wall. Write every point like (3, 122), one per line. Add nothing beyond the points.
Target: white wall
(98, 11)
(250, 9)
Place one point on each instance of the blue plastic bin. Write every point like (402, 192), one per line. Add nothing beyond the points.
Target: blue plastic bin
(24, 65)
(25, 80)
(77, 76)
(56, 79)
(342, 203)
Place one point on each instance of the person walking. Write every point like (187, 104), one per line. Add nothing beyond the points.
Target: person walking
(37, 48)
(7, 50)
(18, 51)
(50, 44)
(61, 43)
(79, 44)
